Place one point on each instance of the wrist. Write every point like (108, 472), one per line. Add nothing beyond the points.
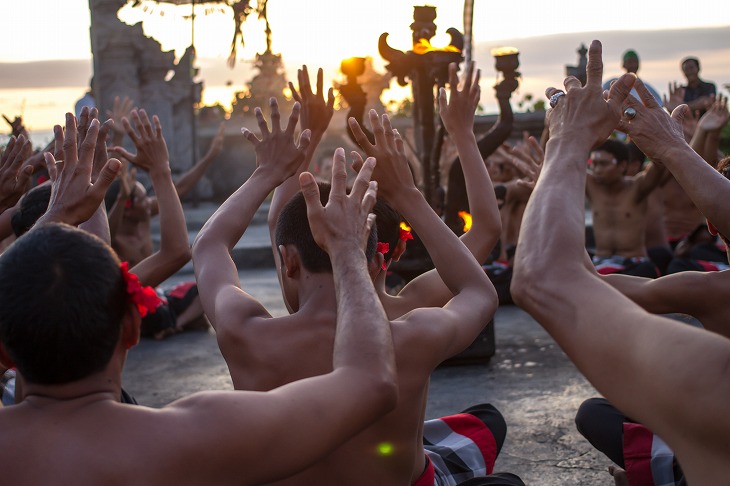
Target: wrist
(161, 171)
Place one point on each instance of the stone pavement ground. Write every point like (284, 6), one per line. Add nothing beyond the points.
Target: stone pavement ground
(529, 379)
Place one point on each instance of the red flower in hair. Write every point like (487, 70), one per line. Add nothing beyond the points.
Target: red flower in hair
(383, 248)
(144, 297)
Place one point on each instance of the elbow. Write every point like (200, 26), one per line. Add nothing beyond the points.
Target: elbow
(526, 286)
(385, 391)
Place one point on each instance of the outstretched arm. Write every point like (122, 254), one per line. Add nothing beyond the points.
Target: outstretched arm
(474, 298)
(190, 178)
(14, 173)
(706, 138)
(630, 356)
(316, 116)
(152, 156)
(428, 290)
(277, 158)
(239, 434)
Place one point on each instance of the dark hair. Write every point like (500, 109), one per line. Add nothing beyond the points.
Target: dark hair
(111, 194)
(32, 207)
(292, 228)
(615, 148)
(692, 59)
(388, 220)
(62, 299)
(635, 153)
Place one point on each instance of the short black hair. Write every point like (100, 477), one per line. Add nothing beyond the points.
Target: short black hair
(32, 207)
(388, 220)
(615, 148)
(292, 228)
(635, 153)
(62, 299)
(691, 59)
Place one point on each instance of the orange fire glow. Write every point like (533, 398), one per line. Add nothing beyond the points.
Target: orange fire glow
(504, 51)
(423, 46)
(467, 220)
(404, 226)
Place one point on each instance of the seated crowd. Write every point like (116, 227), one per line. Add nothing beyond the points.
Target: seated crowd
(335, 391)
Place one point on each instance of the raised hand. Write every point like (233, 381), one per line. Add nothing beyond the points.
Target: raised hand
(14, 175)
(101, 156)
(716, 117)
(316, 113)
(527, 159)
(582, 113)
(216, 145)
(392, 173)
(345, 221)
(652, 129)
(122, 109)
(152, 154)
(458, 112)
(277, 150)
(74, 198)
(676, 97)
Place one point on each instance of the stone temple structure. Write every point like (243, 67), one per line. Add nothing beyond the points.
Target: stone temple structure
(127, 63)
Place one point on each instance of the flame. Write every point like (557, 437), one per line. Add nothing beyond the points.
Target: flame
(423, 46)
(504, 51)
(404, 226)
(467, 220)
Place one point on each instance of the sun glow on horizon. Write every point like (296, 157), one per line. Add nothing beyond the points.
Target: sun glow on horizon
(322, 34)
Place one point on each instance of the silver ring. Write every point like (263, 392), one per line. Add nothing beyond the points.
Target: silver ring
(554, 98)
(630, 113)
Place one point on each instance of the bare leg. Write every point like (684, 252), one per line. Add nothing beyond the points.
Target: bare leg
(192, 317)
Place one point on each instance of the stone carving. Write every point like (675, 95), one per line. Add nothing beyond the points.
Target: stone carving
(127, 63)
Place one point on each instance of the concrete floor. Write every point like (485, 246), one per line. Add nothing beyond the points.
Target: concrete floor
(529, 379)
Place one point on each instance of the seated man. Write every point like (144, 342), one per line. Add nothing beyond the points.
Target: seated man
(428, 289)
(69, 314)
(655, 370)
(263, 352)
(619, 205)
(698, 94)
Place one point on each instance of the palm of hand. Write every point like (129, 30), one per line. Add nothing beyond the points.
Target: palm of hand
(714, 120)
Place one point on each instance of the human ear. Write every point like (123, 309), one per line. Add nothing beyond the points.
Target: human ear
(290, 260)
(131, 324)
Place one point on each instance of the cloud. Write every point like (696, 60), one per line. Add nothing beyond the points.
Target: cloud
(45, 74)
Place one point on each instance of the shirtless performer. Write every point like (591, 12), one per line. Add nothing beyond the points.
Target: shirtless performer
(657, 371)
(129, 222)
(702, 295)
(619, 204)
(72, 385)
(264, 352)
(427, 290)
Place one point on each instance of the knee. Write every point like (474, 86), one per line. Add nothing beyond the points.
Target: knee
(493, 419)
(588, 415)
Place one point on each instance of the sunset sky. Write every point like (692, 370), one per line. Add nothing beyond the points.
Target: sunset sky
(46, 57)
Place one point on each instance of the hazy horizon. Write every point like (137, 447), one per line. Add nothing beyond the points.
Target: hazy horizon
(51, 87)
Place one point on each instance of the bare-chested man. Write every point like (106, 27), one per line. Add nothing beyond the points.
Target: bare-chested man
(264, 352)
(428, 289)
(667, 375)
(619, 205)
(68, 320)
